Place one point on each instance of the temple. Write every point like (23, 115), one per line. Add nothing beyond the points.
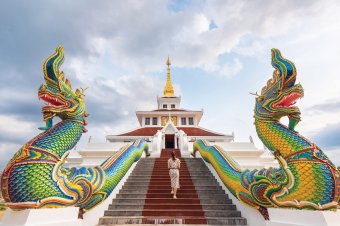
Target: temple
(171, 126)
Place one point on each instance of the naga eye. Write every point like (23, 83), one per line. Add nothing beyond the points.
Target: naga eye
(279, 91)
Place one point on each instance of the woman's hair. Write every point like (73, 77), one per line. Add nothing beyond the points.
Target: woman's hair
(173, 155)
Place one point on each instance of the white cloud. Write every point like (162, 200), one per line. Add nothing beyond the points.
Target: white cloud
(334, 155)
(315, 121)
(231, 69)
(12, 127)
(227, 69)
(12, 132)
(254, 48)
(7, 150)
(190, 33)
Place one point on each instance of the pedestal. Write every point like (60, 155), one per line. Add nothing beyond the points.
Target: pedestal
(288, 217)
(42, 217)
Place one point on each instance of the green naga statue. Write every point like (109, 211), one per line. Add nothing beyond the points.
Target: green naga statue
(36, 178)
(306, 179)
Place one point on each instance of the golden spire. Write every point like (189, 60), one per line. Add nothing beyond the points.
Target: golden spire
(168, 89)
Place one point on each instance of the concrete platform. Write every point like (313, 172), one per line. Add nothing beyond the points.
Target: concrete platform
(42, 217)
(288, 217)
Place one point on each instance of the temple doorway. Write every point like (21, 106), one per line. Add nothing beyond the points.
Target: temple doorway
(169, 140)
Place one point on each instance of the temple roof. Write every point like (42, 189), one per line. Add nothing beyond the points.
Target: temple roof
(190, 131)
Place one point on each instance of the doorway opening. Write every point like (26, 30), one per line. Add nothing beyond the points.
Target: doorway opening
(169, 140)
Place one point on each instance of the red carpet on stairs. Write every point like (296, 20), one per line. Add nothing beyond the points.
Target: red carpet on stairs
(160, 207)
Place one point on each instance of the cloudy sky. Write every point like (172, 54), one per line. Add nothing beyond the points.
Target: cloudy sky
(220, 51)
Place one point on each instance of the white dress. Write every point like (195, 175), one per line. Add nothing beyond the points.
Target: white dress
(174, 172)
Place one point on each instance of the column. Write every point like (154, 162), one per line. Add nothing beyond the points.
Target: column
(175, 140)
(163, 140)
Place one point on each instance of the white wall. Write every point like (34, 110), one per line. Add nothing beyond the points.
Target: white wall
(91, 218)
(248, 156)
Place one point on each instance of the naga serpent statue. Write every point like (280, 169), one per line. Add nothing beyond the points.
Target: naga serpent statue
(36, 178)
(306, 179)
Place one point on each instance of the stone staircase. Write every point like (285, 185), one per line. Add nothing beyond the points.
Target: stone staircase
(218, 208)
(145, 197)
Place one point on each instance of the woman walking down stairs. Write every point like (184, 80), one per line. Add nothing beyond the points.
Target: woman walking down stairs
(145, 197)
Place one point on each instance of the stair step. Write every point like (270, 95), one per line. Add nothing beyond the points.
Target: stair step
(168, 212)
(166, 171)
(166, 174)
(173, 206)
(235, 221)
(160, 180)
(127, 201)
(152, 220)
(164, 195)
(174, 212)
(169, 224)
(170, 200)
(187, 191)
(134, 183)
(181, 178)
(215, 187)
(167, 191)
(179, 196)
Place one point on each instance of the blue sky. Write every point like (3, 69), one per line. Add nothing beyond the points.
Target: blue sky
(220, 51)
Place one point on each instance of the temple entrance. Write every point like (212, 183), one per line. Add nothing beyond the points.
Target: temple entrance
(169, 140)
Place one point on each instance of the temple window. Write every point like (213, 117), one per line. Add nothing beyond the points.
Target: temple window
(191, 121)
(173, 106)
(147, 121)
(154, 121)
(165, 106)
(183, 121)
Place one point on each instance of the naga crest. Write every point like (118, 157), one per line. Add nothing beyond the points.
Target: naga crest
(60, 99)
(278, 97)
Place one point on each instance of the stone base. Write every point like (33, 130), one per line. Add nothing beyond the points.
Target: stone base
(42, 217)
(288, 217)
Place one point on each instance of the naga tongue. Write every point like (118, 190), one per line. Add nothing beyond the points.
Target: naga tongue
(51, 101)
(289, 100)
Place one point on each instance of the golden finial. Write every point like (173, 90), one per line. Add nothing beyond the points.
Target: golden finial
(168, 89)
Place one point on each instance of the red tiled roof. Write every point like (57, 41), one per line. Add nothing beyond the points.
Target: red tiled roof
(150, 131)
(145, 131)
(196, 131)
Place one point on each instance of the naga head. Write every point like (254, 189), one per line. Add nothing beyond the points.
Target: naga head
(278, 97)
(60, 99)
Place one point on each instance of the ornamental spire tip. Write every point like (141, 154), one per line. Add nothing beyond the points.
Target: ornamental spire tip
(168, 89)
